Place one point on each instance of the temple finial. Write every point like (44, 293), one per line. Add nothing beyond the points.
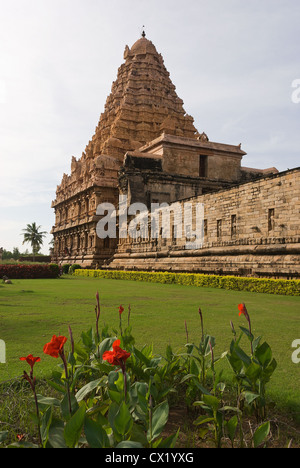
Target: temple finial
(143, 33)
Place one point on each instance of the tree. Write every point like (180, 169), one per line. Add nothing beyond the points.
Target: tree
(34, 236)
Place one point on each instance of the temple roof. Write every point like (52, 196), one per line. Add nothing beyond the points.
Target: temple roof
(143, 104)
(143, 46)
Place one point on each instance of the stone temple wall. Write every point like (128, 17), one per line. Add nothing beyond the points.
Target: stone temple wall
(252, 229)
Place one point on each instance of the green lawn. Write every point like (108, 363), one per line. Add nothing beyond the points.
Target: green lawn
(31, 311)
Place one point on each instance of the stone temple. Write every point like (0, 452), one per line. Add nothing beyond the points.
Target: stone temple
(146, 147)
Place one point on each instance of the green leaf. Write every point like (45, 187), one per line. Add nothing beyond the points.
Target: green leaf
(261, 433)
(253, 372)
(74, 427)
(115, 396)
(129, 444)
(268, 371)
(141, 357)
(60, 388)
(22, 445)
(202, 420)
(169, 353)
(243, 356)
(231, 427)
(112, 412)
(87, 339)
(96, 436)
(81, 353)
(3, 436)
(250, 397)
(247, 333)
(115, 381)
(45, 424)
(159, 420)
(211, 401)
(47, 401)
(64, 406)
(264, 354)
(169, 442)
(56, 435)
(88, 388)
(123, 421)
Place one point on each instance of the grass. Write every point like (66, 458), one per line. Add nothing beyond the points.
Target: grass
(31, 311)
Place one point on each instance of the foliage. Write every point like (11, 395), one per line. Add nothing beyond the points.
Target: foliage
(111, 394)
(8, 255)
(34, 237)
(65, 268)
(260, 285)
(21, 271)
(74, 267)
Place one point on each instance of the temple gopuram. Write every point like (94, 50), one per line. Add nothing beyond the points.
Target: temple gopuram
(146, 147)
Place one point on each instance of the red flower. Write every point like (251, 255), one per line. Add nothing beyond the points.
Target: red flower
(243, 310)
(121, 310)
(116, 357)
(55, 347)
(30, 360)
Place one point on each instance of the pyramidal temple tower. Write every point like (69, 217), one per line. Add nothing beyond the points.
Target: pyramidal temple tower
(142, 105)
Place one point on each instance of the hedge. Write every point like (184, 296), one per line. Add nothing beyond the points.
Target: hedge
(235, 283)
(29, 271)
(74, 267)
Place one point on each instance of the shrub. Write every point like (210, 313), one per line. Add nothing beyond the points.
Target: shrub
(74, 267)
(260, 285)
(65, 268)
(29, 271)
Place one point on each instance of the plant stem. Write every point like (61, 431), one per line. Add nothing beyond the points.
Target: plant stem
(31, 382)
(125, 382)
(63, 357)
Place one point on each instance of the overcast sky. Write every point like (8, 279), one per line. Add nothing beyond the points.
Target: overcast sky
(233, 62)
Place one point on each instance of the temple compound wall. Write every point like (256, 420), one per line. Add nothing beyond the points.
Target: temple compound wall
(252, 229)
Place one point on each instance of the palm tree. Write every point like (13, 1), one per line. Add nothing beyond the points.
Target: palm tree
(34, 236)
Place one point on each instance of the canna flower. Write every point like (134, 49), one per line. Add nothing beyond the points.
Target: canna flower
(243, 310)
(116, 357)
(121, 310)
(55, 347)
(30, 360)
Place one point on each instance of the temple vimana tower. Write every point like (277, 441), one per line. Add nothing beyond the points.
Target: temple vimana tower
(146, 147)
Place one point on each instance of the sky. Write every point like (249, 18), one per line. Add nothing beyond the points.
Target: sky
(235, 65)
